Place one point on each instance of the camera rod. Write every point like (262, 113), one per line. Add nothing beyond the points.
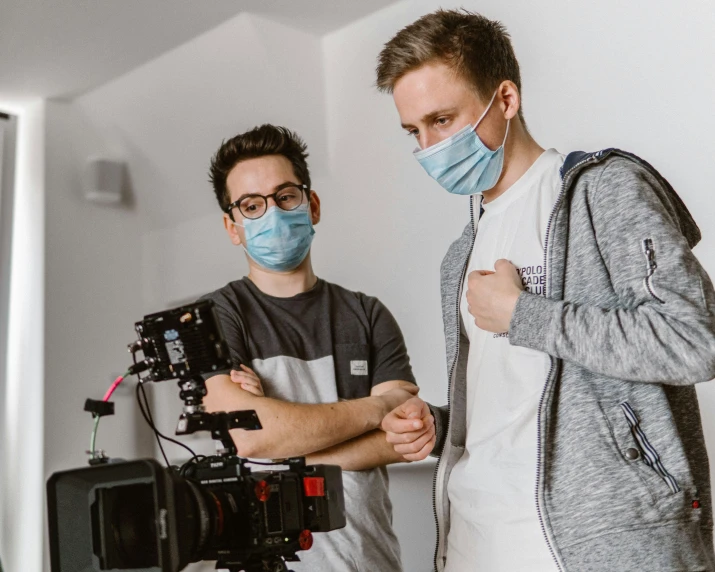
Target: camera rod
(196, 418)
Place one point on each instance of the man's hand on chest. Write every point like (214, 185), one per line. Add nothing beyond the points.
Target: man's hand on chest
(492, 296)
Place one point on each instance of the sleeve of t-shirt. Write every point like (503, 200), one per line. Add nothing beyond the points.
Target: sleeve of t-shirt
(232, 326)
(388, 352)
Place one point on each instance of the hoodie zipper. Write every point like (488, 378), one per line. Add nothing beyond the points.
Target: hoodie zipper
(557, 204)
(649, 252)
(439, 540)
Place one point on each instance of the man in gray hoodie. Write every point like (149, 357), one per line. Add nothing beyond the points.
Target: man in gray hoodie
(577, 321)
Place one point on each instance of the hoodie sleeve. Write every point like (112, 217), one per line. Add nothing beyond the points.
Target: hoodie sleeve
(441, 422)
(665, 331)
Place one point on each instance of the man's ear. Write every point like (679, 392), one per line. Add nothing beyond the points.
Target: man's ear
(231, 230)
(510, 99)
(314, 207)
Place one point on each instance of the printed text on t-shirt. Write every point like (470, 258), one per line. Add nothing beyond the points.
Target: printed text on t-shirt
(533, 278)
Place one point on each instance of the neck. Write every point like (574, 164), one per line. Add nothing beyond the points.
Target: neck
(520, 153)
(283, 284)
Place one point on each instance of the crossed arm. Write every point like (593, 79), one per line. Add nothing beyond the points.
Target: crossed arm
(345, 433)
(372, 449)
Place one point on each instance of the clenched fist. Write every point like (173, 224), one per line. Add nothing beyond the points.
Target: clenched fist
(410, 429)
(492, 296)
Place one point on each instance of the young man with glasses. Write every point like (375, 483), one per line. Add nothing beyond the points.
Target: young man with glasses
(321, 365)
(577, 321)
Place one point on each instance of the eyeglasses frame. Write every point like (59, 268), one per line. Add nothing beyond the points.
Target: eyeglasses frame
(235, 204)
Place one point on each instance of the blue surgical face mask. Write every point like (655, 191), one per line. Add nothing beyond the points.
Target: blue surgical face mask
(462, 164)
(279, 240)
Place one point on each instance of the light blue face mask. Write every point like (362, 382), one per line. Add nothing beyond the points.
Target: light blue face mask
(462, 164)
(279, 240)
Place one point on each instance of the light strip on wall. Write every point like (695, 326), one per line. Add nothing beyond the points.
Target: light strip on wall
(22, 468)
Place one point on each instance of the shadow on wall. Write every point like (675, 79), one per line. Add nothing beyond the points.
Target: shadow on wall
(413, 516)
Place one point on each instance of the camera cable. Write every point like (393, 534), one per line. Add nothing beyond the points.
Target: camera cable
(97, 417)
(146, 413)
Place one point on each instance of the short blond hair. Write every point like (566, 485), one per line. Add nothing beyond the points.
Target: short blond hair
(478, 49)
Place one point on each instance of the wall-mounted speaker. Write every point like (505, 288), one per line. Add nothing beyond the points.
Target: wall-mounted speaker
(104, 181)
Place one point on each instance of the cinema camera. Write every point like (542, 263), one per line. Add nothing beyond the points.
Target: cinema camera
(136, 515)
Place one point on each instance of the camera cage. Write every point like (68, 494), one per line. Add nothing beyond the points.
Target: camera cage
(187, 344)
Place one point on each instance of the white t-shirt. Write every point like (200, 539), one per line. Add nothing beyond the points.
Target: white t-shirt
(492, 489)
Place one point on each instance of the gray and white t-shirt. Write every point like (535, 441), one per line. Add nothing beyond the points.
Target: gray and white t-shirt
(322, 346)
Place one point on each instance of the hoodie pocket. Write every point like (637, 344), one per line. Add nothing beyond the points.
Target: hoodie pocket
(651, 267)
(639, 453)
(648, 453)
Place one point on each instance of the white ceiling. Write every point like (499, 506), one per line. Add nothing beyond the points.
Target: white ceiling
(60, 48)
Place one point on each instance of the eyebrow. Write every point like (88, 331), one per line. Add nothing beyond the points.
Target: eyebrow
(432, 115)
(286, 184)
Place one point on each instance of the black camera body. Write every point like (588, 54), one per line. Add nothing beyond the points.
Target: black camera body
(269, 513)
(140, 516)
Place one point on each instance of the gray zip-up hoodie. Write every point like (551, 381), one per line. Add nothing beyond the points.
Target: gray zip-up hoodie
(628, 319)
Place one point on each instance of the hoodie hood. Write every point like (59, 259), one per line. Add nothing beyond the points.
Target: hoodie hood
(579, 160)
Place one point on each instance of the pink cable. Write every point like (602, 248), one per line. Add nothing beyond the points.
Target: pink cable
(111, 389)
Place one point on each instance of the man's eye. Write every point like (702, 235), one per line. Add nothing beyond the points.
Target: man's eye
(412, 133)
(442, 120)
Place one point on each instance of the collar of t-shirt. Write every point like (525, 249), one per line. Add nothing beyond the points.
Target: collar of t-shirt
(522, 184)
(316, 290)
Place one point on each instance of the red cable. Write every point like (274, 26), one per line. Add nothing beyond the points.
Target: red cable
(111, 389)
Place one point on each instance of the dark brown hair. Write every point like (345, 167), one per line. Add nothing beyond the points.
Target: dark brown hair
(258, 142)
(478, 49)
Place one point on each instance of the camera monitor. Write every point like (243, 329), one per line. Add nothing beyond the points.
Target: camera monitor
(184, 342)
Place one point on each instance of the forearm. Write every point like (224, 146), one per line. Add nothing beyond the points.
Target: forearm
(361, 453)
(293, 429)
(637, 344)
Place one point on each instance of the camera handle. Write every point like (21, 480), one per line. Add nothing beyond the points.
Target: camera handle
(195, 417)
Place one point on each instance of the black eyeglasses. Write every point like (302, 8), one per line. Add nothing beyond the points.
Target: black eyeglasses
(288, 198)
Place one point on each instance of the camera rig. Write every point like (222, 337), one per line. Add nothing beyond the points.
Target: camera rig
(185, 344)
(215, 508)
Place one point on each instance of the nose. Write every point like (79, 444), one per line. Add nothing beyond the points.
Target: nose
(428, 139)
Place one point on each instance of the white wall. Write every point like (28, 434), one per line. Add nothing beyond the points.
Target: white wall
(169, 116)
(631, 75)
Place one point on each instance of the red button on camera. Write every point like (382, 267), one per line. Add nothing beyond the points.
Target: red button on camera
(314, 486)
(305, 540)
(263, 492)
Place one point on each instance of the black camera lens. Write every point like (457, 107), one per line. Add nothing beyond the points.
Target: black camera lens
(193, 528)
(210, 518)
(125, 528)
